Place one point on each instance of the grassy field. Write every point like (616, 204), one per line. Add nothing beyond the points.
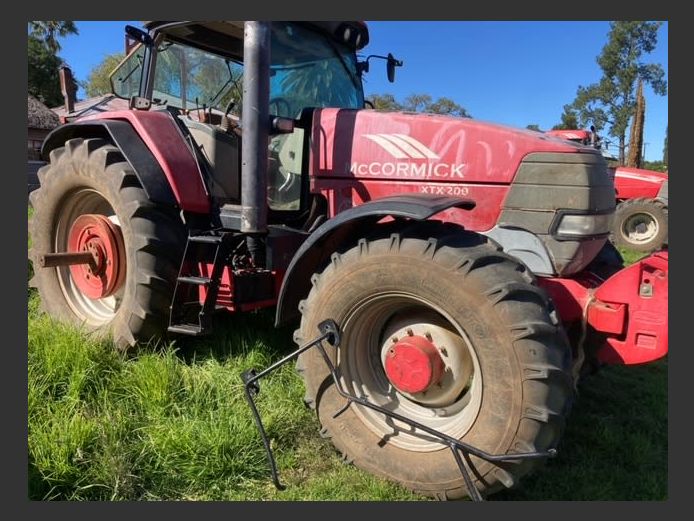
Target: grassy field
(172, 424)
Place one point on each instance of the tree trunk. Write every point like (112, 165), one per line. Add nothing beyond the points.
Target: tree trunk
(636, 138)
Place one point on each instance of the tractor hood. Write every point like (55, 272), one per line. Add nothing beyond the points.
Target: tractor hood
(368, 144)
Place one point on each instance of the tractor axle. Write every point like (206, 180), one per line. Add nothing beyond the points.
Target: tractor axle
(52, 260)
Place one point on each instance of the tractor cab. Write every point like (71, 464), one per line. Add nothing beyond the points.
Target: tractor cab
(195, 70)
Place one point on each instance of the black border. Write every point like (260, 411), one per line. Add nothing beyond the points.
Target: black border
(15, 383)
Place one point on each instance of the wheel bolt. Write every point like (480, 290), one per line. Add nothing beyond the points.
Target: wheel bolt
(410, 332)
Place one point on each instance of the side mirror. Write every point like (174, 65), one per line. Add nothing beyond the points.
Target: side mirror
(391, 64)
(139, 35)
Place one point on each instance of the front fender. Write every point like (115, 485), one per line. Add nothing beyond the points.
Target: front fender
(326, 239)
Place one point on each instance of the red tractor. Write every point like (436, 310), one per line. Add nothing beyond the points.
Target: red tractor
(641, 218)
(450, 278)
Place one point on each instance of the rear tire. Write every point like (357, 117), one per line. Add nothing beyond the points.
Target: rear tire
(91, 177)
(641, 225)
(500, 325)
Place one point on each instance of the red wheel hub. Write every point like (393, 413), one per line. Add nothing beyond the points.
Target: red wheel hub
(97, 235)
(413, 364)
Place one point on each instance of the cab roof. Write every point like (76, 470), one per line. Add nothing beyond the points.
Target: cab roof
(223, 34)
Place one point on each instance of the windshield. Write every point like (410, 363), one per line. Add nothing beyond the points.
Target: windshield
(184, 77)
(309, 69)
(188, 78)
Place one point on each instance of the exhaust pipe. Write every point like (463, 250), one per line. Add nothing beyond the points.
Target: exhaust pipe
(256, 127)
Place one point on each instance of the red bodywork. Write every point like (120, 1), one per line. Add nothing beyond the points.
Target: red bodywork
(631, 183)
(629, 309)
(166, 142)
(579, 136)
(361, 155)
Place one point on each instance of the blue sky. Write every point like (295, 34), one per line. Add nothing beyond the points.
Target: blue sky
(515, 73)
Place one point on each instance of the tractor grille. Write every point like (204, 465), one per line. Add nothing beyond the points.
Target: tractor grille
(549, 186)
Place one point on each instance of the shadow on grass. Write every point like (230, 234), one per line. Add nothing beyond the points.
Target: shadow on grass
(238, 334)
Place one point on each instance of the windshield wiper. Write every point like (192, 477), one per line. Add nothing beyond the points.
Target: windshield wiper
(139, 66)
(223, 88)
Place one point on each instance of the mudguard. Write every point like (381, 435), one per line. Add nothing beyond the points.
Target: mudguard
(155, 148)
(336, 231)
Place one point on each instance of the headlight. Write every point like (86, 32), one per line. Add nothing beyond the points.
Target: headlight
(572, 226)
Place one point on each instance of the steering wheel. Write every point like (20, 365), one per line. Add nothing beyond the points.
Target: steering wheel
(280, 103)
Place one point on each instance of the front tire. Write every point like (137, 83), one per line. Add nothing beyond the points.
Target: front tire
(90, 179)
(506, 387)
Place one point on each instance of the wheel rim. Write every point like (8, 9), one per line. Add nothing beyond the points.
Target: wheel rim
(640, 228)
(87, 222)
(451, 404)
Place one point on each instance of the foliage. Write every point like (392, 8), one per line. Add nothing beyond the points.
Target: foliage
(48, 32)
(98, 82)
(43, 79)
(569, 119)
(611, 101)
(445, 105)
(665, 150)
(533, 126)
(658, 166)
(385, 102)
(419, 103)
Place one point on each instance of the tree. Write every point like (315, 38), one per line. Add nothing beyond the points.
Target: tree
(658, 166)
(43, 79)
(533, 126)
(417, 102)
(636, 135)
(98, 82)
(49, 32)
(569, 119)
(665, 146)
(611, 101)
(385, 102)
(447, 106)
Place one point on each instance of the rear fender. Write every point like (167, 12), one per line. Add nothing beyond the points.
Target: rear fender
(154, 146)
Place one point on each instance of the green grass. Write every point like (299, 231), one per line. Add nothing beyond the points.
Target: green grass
(172, 424)
(631, 256)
